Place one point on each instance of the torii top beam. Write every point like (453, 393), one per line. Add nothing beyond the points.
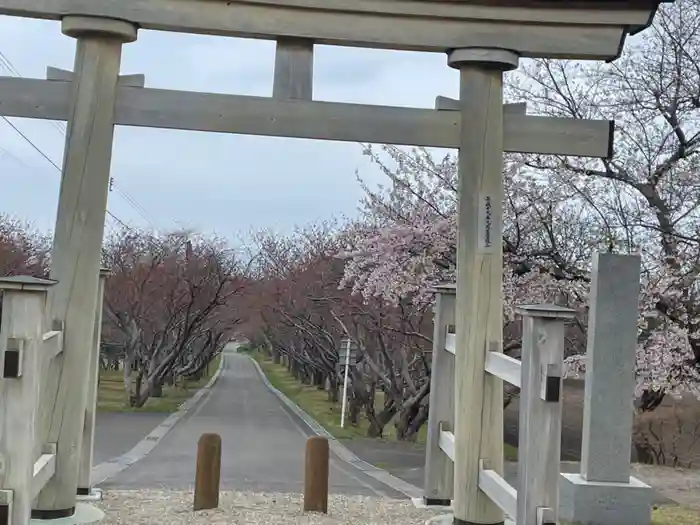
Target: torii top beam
(575, 29)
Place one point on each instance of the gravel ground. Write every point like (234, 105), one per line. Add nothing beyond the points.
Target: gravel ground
(681, 486)
(156, 507)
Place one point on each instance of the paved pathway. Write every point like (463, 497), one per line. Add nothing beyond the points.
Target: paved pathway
(117, 432)
(263, 443)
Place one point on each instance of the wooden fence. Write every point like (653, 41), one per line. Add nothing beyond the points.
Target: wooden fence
(539, 376)
(27, 348)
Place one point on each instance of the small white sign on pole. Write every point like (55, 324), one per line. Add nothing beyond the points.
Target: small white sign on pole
(346, 354)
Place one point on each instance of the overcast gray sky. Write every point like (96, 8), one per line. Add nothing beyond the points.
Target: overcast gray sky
(225, 184)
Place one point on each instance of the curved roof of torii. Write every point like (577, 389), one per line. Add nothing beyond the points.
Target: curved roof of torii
(575, 29)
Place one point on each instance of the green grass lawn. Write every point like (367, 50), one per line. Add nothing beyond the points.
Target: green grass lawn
(670, 515)
(315, 403)
(111, 396)
(674, 515)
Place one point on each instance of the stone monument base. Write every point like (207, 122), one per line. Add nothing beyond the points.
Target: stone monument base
(598, 503)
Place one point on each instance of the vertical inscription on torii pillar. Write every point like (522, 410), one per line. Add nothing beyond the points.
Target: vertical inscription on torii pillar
(486, 223)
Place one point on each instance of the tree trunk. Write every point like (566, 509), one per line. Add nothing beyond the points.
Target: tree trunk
(127, 376)
(410, 421)
(355, 406)
(136, 399)
(157, 391)
(319, 379)
(377, 422)
(306, 375)
(332, 388)
(413, 413)
(650, 400)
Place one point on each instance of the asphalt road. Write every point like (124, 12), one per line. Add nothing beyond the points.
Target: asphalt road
(263, 443)
(118, 432)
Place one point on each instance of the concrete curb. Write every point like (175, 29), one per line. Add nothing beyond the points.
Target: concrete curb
(340, 450)
(110, 468)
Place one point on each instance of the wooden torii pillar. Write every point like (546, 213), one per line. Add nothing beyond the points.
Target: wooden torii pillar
(77, 245)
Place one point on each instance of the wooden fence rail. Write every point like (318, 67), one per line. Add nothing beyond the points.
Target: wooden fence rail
(539, 376)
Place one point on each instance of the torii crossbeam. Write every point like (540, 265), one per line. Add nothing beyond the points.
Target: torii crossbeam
(213, 112)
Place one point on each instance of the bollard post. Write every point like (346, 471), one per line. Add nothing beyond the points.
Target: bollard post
(208, 474)
(316, 475)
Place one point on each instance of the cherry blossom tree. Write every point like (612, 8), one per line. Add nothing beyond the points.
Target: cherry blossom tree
(559, 210)
(646, 199)
(23, 251)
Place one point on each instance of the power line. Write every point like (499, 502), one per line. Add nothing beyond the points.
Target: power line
(7, 64)
(36, 148)
(50, 161)
(6, 153)
(4, 61)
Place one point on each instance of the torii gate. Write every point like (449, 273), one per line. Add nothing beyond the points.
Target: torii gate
(482, 39)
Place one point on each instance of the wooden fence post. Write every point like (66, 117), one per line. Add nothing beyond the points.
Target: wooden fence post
(539, 440)
(316, 475)
(208, 474)
(21, 339)
(86, 453)
(439, 468)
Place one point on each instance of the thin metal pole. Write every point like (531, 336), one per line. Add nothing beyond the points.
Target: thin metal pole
(345, 386)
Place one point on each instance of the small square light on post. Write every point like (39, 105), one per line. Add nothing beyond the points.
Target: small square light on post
(6, 497)
(545, 516)
(551, 383)
(12, 359)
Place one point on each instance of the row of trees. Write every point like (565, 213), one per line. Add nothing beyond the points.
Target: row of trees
(172, 301)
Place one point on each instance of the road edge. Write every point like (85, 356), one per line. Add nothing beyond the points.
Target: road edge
(113, 466)
(340, 450)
